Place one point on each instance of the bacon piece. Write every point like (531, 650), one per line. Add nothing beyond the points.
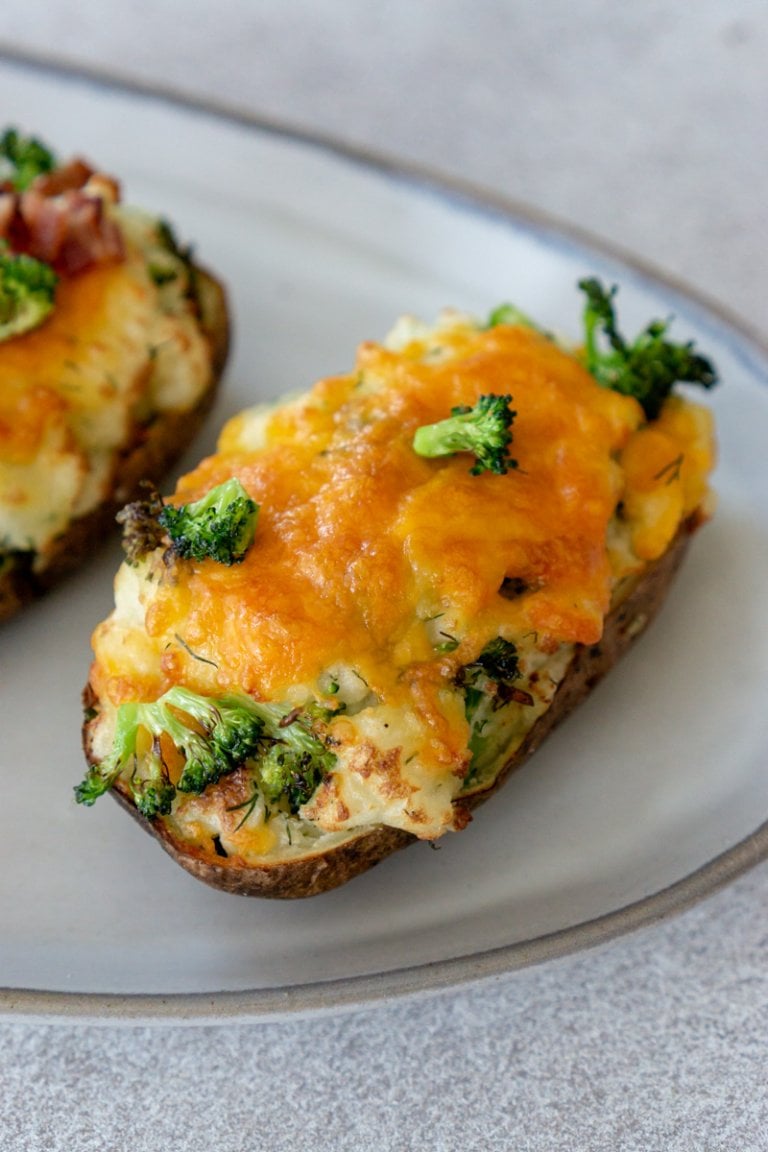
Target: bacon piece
(70, 176)
(69, 230)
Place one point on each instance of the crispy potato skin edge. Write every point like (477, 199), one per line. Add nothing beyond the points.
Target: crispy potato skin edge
(324, 870)
(157, 447)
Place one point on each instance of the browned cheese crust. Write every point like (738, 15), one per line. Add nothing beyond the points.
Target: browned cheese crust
(155, 449)
(321, 871)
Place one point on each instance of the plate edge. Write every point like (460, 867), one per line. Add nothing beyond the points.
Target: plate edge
(364, 992)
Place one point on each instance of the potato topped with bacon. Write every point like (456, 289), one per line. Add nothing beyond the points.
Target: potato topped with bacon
(111, 344)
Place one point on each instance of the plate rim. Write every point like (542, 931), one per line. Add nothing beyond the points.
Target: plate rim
(358, 993)
(366, 991)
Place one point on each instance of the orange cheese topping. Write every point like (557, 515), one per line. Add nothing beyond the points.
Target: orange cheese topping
(368, 555)
(40, 371)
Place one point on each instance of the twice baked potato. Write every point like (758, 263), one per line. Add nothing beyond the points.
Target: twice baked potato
(376, 599)
(112, 340)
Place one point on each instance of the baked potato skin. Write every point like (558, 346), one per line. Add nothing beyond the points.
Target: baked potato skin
(322, 871)
(155, 449)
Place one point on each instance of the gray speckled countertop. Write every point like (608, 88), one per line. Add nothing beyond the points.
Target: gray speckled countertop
(646, 124)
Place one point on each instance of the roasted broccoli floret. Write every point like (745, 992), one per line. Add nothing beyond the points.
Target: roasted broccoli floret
(491, 675)
(484, 430)
(294, 764)
(646, 369)
(22, 159)
(151, 789)
(27, 289)
(199, 739)
(220, 526)
(489, 683)
(498, 660)
(212, 736)
(140, 520)
(232, 728)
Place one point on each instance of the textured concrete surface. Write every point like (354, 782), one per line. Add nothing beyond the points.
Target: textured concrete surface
(646, 124)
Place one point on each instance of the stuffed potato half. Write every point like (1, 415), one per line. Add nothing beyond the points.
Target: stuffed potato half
(112, 341)
(378, 597)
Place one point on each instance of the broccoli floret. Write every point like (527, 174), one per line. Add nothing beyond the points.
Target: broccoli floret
(22, 159)
(492, 674)
(509, 314)
(295, 764)
(151, 789)
(214, 736)
(295, 775)
(100, 777)
(233, 728)
(140, 520)
(220, 526)
(484, 430)
(27, 289)
(646, 369)
(498, 660)
(489, 683)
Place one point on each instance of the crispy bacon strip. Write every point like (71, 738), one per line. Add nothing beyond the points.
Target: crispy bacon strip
(61, 219)
(68, 177)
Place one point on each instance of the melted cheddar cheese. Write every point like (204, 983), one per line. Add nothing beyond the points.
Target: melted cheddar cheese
(117, 348)
(376, 574)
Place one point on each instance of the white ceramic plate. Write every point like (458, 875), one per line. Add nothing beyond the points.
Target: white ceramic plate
(650, 796)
